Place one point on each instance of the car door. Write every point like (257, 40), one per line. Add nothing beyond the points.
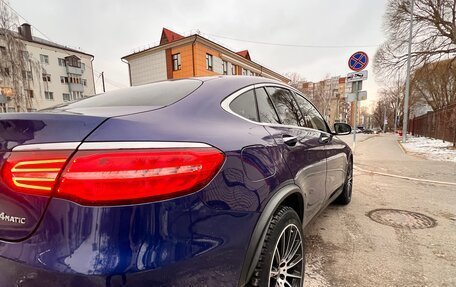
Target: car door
(301, 146)
(336, 159)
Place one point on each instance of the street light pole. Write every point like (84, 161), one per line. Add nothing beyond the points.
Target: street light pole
(407, 84)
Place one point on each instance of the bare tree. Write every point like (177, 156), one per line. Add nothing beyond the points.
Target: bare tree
(295, 79)
(436, 83)
(322, 96)
(434, 34)
(16, 66)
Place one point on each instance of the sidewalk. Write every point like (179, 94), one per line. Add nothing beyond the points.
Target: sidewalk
(384, 154)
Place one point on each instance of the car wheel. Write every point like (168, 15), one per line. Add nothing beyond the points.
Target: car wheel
(345, 197)
(281, 262)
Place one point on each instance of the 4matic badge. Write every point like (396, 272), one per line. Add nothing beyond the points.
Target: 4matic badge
(13, 219)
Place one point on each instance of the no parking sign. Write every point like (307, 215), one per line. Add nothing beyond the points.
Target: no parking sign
(358, 61)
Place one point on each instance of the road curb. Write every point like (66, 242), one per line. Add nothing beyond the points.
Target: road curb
(402, 147)
(405, 177)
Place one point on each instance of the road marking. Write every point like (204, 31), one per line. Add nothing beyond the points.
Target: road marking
(404, 177)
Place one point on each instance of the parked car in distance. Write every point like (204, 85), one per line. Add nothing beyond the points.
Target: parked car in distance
(368, 131)
(192, 182)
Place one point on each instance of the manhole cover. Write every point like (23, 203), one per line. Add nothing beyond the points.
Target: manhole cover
(401, 218)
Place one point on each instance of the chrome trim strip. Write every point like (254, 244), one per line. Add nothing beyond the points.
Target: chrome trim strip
(47, 146)
(139, 145)
(227, 101)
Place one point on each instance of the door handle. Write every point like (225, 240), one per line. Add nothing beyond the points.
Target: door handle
(290, 140)
(324, 138)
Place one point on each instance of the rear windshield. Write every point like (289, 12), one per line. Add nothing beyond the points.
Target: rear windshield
(156, 94)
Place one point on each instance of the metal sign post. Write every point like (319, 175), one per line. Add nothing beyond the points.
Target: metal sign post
(355, 116)
(357, 62)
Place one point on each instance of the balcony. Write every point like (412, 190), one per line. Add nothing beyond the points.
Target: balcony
(74, 70)
(76, 87)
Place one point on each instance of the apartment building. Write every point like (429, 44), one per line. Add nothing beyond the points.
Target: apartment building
(180, 57)
(52, 74)
(329, 96)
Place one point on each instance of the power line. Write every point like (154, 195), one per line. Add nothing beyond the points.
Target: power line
(23, 18)
(291, 45)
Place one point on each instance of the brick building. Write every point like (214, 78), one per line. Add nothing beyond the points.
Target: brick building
(180, 57)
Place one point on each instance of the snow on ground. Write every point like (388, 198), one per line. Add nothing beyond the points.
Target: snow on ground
(432, 149)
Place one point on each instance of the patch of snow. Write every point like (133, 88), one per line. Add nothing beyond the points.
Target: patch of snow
(432, 149)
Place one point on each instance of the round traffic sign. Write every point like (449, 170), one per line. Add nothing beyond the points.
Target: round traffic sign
(358, 61)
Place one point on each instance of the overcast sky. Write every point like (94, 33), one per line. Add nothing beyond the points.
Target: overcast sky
(110, 29)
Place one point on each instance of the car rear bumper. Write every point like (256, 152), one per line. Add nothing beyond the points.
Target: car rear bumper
(208, 270)
(171, 243)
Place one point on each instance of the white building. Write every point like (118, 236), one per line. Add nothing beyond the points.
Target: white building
(54, 74)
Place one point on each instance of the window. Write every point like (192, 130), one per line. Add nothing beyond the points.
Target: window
(245, 106)
(62, 62)
(46, 77)
(29, 93)
(244, 72)
(209, 63)
(25, 55)
(157, 94)
(44, 59)
(233, 69)
(2, 50)
(63, 80)
(77, 95)
(266, 108)
(5, 71)
(225, 67)
(311, 117)
(84, 82)
(176, 61)
(49, 96)
(27, 75)
(66, 97)
(287, 108)
(73, 61)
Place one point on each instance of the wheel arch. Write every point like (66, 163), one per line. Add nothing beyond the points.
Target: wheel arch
(289, 195)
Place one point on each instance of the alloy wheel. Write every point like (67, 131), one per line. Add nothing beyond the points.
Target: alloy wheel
(287, 262)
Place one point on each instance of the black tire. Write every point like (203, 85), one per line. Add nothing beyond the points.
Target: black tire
(345, 197)
(285, 222)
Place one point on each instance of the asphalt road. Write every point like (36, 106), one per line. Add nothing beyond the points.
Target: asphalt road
(345, 247)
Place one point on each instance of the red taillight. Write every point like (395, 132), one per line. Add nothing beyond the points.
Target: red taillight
(128, 176)
(34, 172)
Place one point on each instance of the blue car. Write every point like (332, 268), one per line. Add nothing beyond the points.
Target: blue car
(192, 182)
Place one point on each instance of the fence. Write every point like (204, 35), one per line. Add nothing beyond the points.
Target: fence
(440, 124)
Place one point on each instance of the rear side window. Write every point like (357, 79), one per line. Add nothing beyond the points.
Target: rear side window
(311, 117)
(245, 106)
(266, 109)
(287, 108)
(156, 94)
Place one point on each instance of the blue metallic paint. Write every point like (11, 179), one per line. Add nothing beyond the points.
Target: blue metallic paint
(195, 240)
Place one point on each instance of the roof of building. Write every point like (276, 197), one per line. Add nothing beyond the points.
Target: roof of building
(169, 36)
(42, 41)
(245, 54)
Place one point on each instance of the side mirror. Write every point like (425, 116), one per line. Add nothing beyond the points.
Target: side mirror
(342, 129)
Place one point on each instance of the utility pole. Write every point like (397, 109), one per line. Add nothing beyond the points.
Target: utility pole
(395, 113)
(407, 84)
(102, 80)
